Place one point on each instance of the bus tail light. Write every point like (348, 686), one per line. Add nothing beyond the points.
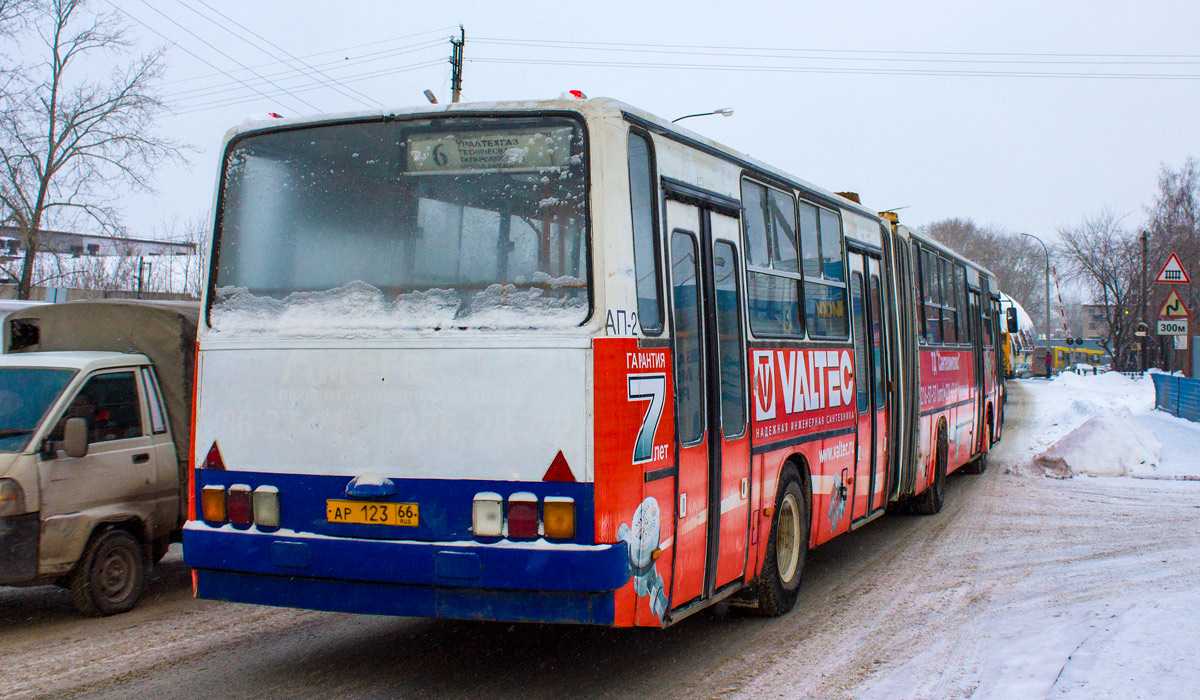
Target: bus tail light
(558, 515)
(266, 506)
(212, 504)
(523, 516)
(238, 506)
(487, 515)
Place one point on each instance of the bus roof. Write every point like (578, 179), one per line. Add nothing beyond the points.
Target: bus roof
(597, 107)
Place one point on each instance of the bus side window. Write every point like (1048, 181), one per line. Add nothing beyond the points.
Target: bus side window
(949, 322)
(933, 297)
(824, 283)
(643, 205)
(960, 292)
(772, 278)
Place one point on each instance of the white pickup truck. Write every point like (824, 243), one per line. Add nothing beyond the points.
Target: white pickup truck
(95, 413)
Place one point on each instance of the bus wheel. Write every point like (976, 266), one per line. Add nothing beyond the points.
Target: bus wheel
(934, 497)
(110, 577)
(779, 582)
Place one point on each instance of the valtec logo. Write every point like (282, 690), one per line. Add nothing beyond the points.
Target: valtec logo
(764, 385)
(943, 363)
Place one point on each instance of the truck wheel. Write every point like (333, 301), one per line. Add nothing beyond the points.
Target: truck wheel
(934, 497)
(779, 582)
(111, 576)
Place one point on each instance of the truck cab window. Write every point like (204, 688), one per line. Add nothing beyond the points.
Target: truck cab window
(109, 404)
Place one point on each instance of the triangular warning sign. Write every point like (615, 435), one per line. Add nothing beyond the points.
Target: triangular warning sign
(559, 470)
(1173, 272)
(1173, 307)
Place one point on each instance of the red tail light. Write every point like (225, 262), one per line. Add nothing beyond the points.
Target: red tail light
(522, 516)
(237, 505)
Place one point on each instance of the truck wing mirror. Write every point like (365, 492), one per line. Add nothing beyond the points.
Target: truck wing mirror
(1010, 317)
(75, 438)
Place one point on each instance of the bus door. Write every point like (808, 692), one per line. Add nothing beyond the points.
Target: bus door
(872, 399)
(975, 330)
(710, 401)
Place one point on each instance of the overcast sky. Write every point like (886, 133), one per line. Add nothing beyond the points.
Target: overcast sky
(901, 104)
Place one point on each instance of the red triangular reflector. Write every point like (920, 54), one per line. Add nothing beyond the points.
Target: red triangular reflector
(559, 470)
(213, 460)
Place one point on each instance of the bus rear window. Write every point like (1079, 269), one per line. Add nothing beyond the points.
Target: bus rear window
(430, 224)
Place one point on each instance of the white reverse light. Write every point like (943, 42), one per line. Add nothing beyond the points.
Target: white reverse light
(487, 514)
(266, 506)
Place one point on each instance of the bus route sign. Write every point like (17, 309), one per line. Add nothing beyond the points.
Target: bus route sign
(1172, 272)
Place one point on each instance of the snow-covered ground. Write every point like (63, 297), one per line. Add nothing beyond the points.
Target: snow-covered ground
(1121, 622)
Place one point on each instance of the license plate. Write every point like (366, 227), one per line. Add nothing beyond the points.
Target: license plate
(360, 513)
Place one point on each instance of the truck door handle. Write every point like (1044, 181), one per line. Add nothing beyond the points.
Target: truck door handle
(141, 458)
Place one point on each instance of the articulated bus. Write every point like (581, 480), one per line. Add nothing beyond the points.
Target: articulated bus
(560, 361)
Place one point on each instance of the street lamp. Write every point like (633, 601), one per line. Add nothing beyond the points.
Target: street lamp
(1047, 252)
(723, 111)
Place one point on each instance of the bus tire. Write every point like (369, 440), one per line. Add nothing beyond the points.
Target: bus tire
(934, 497)
(111, 576)
(787, 548)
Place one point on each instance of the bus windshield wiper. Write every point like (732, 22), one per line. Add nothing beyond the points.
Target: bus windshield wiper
(13, 432)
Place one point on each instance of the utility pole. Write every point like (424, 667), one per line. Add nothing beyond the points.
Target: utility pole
(1047, 252)
(1142, 308)
(456, 63)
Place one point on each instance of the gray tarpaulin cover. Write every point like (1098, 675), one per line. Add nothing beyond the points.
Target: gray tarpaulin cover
(164, 331)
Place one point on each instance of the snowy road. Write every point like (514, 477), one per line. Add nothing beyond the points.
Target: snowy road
(1021, 588)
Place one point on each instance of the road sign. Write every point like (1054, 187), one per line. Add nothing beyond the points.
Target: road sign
(1181, 342)
(1173, 272)
(1172, 327)
(1173, 307)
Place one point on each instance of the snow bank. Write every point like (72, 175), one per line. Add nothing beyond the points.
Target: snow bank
(1103, 425)
(1107, 444)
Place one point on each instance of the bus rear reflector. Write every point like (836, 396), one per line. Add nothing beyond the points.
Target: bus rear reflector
(522, 516)
(237, 505)
(266, 506)
(213, 460)
(558, 516)
(212, 504)
(487, 515)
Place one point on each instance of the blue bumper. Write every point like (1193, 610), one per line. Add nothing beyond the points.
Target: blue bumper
(500, 581)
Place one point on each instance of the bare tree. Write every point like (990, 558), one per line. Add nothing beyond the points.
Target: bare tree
(69, 140)
(1174, 226)
(1106, 258)
(1018, 262)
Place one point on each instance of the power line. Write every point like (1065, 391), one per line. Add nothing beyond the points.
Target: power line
(192, 109)
(186, 50)
(759, 53)
(582, 44)
(214, 48)
(341, 50)
(843, 71)
(212, 90)
(330, 82)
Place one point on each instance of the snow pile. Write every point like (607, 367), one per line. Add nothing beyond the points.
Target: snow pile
(1102, 425)
(360, 310)
(1107, 444)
